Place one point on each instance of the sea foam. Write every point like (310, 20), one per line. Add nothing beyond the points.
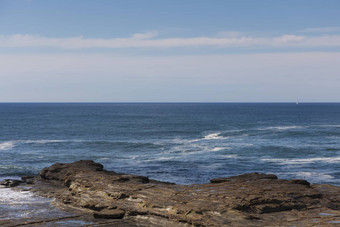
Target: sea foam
(7, 145)
(281, 128)
(11, 197)
(213, 136)
(24, 204)
(314, 175)
(299, 161)
(217, 148)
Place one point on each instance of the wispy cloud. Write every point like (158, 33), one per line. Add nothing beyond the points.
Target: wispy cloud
(149, 39)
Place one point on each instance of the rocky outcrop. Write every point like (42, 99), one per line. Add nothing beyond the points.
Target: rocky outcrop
(253, 199)
(9, 183)
(106, 198)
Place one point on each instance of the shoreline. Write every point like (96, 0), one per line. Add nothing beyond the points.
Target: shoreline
(94, 196)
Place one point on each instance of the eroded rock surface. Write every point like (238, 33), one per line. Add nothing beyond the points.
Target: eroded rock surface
(247, 200)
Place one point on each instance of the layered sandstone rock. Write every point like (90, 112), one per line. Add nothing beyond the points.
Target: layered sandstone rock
(247, 200)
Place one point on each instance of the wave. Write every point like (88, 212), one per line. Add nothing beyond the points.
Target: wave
(12, 143)
(282, 128)
(332, 126)
(297, 127)
(234, 156)
(213, 136)
(7, 145)
(46, 141)
(235, 130)
(314, 175)
(218, 148)
(234, 133)
(6, 167)
(9, 196)
(241, 144)
(299, 161)
(161, 159)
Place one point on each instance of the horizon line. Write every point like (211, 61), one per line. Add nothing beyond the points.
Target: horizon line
(160, 102)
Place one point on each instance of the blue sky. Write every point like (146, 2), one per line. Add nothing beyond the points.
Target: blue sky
(169, 51)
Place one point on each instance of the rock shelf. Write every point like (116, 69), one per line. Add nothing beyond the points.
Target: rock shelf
(253, 199)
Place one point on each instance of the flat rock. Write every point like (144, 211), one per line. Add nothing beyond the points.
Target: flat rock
(253, 199)
(110, 214)
(11, 183)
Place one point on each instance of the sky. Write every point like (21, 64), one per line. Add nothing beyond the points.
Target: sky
(169, 51)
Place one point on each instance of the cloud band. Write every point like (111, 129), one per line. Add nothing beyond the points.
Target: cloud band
(149, 40)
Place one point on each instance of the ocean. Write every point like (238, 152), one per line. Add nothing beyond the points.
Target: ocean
(183, 143)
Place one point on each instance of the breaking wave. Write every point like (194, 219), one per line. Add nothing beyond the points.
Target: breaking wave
(314, 175)
(299, 161)
(213, 136)
(11, 144)
(281, 128)
(218, 148)
(6, 145)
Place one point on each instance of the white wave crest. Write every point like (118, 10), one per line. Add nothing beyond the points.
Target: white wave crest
(332, 126)
(218, 148)
(24, 205)
(286, 161)
(213, 136)
(314, 175)
(11, 197)
(283, 127)
(238, 144)
(229, 156)
(42, 141)
(7, 145)
(6, 167)
(11, 144)
(235, 130)
(163, 158)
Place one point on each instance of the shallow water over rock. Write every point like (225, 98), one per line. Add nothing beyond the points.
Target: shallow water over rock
(18, 206)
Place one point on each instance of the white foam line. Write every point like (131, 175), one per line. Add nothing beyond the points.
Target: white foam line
(12, 143)
(213, 136)
(218, 148)
(11, 197)
(233, 156)
(235, 130)
(283, 127)
(321, 176)
(11, 167)
(242, 144)
(42, 141)
(286, 161)
(163, 159)
(336, 126)
(7, 145)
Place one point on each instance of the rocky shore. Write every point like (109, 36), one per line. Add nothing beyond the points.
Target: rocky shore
(90, 195)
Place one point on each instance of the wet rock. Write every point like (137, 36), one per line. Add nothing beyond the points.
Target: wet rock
(110, 214)
(298, 181)
(11, 183)
(253, 199)
(24, 178)
(60, 171)
(28, 179)
(245, 177)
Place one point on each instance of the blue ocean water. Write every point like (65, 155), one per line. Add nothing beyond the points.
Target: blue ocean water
(177, 142)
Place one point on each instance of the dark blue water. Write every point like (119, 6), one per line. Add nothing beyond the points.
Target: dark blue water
(182, 143)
